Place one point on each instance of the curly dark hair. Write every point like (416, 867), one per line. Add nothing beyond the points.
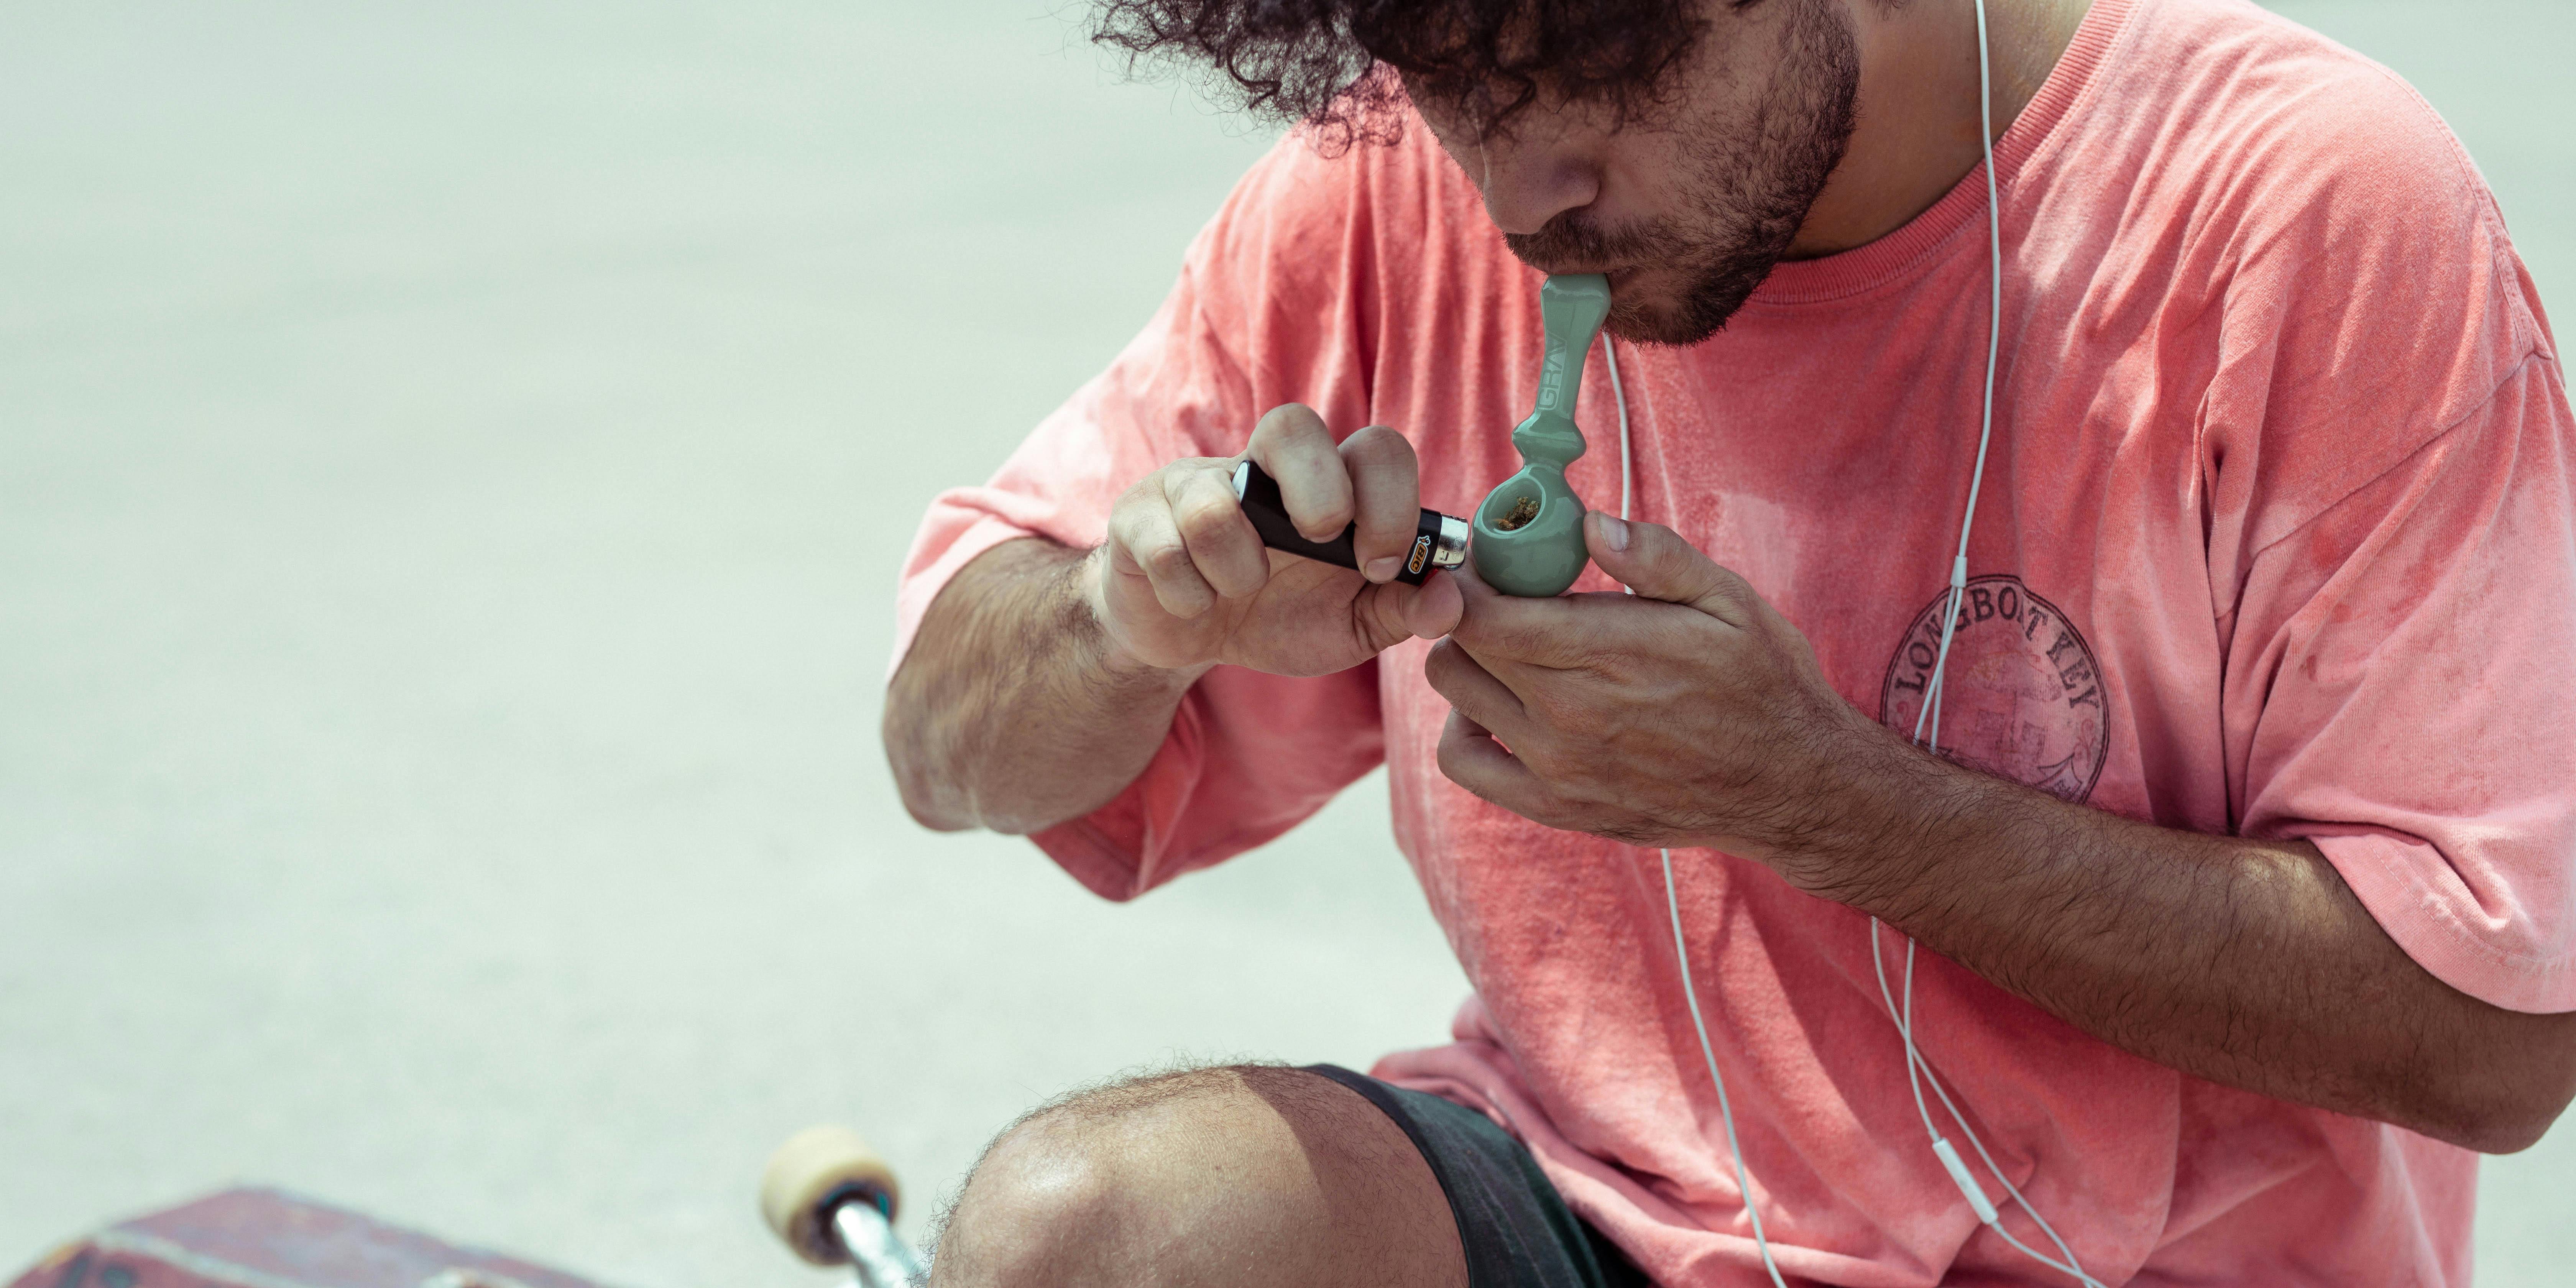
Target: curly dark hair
(1338, 66)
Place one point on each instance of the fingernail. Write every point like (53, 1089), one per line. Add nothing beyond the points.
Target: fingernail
(1614, 532)
(1383, 569)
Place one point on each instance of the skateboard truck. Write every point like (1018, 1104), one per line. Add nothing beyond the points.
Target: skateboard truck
(831, 1199)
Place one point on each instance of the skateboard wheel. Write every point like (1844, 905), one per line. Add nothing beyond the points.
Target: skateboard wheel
(816, 1170)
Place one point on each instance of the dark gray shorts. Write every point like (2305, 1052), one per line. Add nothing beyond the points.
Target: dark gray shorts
(1517, 1231)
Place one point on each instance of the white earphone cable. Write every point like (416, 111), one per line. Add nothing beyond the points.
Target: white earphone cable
(1927, 731)
(1672, 901)
(1919, 1071)
(1927, 722)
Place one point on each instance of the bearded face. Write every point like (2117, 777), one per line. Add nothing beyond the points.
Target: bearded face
(1693, 205)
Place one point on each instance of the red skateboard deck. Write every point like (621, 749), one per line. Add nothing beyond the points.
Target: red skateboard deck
(256, 1238)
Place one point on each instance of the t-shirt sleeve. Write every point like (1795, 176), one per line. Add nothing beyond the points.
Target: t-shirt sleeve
(1262, 314)
(2404, 661)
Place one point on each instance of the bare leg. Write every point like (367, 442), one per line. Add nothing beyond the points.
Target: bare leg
(1242, 1176)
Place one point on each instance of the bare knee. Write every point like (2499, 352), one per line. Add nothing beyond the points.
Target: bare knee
(1238, 1176)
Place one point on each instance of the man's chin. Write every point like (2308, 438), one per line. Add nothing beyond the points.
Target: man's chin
(1643, 306)
(1657, 320)
(1661, 307)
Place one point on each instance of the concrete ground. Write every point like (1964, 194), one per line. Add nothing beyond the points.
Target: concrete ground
(453, 460)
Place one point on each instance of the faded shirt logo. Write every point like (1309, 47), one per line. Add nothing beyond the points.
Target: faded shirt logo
(2024, 695)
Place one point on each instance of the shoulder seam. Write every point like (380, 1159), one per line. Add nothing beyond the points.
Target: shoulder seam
(2511, 374)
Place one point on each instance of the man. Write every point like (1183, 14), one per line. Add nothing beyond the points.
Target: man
(2244, 869)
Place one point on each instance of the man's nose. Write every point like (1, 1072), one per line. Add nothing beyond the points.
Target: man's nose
(1527, 186)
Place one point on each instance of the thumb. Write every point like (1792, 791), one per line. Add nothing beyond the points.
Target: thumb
(1655, 562)
(1434, 608)
(1393, 612)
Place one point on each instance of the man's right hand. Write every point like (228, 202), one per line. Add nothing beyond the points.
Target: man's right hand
(1183, 582)
(1012, 712)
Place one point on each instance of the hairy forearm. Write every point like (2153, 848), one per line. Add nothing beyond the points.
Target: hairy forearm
(1012, 711)
(2245, 962)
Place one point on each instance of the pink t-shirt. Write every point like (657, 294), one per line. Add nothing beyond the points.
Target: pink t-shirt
(2279, 539)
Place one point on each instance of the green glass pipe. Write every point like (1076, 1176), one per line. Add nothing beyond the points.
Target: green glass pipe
(1528, 535)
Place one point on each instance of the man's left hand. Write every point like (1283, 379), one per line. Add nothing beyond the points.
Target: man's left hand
(1690, 713)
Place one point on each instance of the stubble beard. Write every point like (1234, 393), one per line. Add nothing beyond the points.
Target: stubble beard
(1749, 186)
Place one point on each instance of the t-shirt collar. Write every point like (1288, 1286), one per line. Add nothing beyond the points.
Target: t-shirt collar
(1908, 248)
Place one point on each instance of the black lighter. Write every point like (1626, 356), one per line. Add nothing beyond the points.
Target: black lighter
(1439, 540)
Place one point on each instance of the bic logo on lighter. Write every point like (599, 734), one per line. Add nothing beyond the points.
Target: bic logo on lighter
(1421, 551)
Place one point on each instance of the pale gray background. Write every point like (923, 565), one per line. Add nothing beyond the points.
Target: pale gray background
(453, 460)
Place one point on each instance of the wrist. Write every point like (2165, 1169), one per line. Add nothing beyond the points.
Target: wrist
(1883, 814)
(1111, 651)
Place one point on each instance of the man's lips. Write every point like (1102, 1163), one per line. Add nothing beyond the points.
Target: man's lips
(1562, 270)
(1619, 276)
(1616, 275)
